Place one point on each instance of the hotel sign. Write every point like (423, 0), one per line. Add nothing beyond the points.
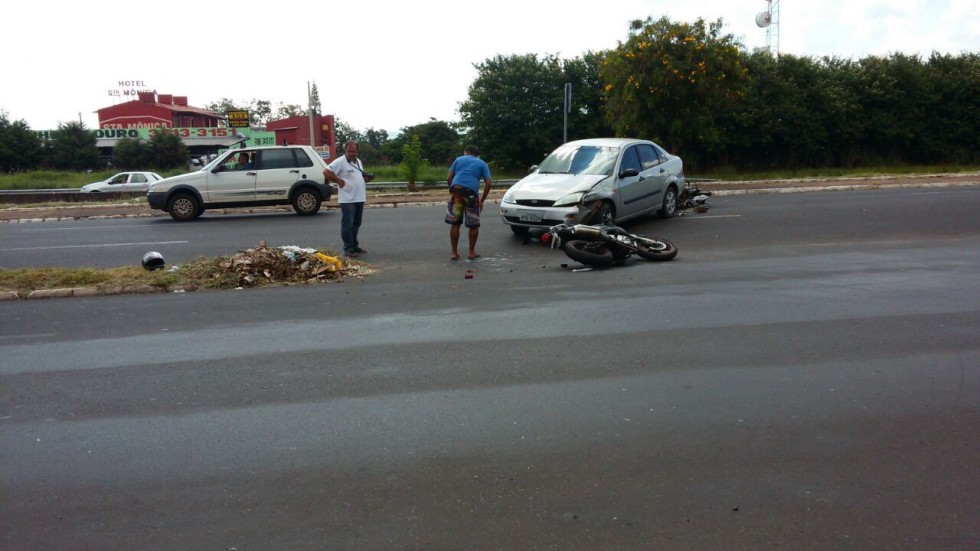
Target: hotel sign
(129, 89)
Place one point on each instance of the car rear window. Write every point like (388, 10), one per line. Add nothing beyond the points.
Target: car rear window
(283, 158)
(648, 156)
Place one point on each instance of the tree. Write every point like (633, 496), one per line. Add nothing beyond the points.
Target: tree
(167, 151)
(376, 138)
(955, 133)
(345, 133)
(513, 109)
(839, 83)
(130, 154)
(20, 147)
(796, 113)
(440, 142)
(896, 95)
(224, 105)
(259, 111)
(367, 151)
(412, 161)
(73, 148)
(669, 82)
(315, 106)
(586, 118)
(371, 147)
(291, 110)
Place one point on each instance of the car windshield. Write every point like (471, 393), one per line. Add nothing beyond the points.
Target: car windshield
(586, 159)
(215, 161)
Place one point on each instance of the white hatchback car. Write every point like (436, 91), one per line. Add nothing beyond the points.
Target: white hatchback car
(253, 176)
(124, 181)
(597, 181)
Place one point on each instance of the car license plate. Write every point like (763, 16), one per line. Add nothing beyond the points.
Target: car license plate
(529, 216)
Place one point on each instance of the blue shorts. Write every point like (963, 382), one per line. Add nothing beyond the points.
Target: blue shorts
(463, 207)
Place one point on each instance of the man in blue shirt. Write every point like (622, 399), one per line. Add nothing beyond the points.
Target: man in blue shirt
(463, 207)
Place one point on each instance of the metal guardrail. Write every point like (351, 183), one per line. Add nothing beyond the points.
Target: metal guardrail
(429, 186)
(28, 196)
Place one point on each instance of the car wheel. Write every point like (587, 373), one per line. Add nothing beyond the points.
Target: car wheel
(587, 253)
(520, 230)
(605, 215)
(669, 206)
(306, 202)
(183, 207)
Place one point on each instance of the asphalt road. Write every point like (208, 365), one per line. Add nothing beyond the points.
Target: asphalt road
(804, 376)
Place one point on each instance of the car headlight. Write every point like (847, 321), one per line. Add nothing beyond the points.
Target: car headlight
(149, 188)
(508, 197)
(570, 199)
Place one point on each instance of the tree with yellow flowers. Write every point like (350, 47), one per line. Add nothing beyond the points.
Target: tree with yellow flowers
(673, 83)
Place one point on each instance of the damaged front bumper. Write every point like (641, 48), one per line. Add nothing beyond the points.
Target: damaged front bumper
(531, 216)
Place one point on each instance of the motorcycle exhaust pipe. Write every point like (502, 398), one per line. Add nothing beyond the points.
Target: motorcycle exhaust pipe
(588, 232)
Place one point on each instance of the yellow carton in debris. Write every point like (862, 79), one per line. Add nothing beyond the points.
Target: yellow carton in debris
(331, 262)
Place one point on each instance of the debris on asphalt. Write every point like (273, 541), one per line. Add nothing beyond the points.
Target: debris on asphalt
(287, 264)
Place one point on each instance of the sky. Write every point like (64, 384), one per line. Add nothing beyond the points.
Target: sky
(388, 64)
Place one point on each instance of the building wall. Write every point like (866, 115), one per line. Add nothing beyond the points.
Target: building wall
(135, 114)
(151, 110)
(296, 131)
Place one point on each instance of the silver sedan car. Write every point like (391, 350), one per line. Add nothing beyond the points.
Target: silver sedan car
(597, 181)
(124, 181)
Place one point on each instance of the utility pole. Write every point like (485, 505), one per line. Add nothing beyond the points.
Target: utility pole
(309, 110)
(568, 109)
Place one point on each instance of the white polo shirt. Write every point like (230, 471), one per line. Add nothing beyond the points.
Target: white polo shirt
(353, 177)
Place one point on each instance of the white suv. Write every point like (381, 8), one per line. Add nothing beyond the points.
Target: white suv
(254, 176)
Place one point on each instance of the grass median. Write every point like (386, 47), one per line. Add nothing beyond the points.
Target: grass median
(262, 266)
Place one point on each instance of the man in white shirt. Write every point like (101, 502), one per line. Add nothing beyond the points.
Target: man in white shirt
(348, 173)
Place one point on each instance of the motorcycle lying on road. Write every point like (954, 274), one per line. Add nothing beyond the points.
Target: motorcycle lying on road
(602, 245)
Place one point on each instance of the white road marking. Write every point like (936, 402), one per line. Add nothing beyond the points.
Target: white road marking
(94, 246)
(76, 228)
(30, 336)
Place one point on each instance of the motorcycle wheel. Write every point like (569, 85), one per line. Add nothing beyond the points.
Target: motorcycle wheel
(588, 253)
(655, 249)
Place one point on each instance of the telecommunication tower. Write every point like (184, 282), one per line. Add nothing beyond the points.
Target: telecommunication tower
(769, 20)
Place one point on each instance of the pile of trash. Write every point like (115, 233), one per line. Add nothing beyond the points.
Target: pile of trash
(265, 265)
(692, 197)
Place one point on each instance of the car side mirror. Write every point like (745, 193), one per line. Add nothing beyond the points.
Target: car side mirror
(532, 169)
(629, 173)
